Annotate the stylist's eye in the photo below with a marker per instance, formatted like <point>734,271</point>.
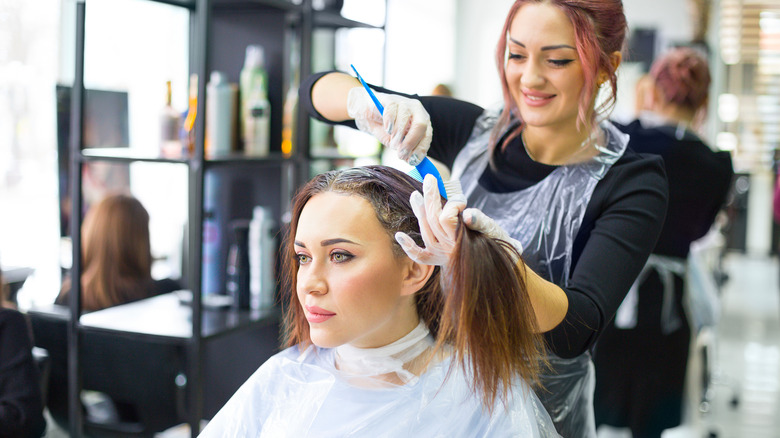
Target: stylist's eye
<point>560,62</point>
<point>302,259</point>
<point>341,257</point>
<point>516,56</point>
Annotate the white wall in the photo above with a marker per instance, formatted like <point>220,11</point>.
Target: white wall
<point>478,25</point>
<point>420,45</point>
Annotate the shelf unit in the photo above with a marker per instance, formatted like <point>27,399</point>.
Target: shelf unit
<point>219,32</point>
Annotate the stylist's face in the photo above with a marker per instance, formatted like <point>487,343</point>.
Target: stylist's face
<point>350,283</point>
<point>543,70</point>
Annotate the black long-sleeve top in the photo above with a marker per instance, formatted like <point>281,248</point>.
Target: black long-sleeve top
<point>619,230</point>
<point>699,181</point>
<point>21,411</point>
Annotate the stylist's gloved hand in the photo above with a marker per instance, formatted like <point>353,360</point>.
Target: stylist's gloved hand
<point>476,220</point>
<point>437,225</point>
<point>405,126</point>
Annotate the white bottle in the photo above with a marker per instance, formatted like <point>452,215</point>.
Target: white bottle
<point>255,107</point>
<point>220,104</point>
<point>261,259</point>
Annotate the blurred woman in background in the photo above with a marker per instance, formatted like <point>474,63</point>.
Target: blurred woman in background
<point>642,355</point>
<point>117,258</point>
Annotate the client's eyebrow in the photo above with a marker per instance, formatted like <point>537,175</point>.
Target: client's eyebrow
<point>328,242</point>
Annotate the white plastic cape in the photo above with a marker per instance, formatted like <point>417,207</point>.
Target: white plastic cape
<point>302,394</point>
<point>545,218</point>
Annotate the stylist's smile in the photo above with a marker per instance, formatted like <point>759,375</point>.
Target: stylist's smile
<point>316,314</point>
<point>536,98</point>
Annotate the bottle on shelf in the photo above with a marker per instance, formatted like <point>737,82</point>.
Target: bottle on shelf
<point>188,127</point>
<point>261,258</point>
<point>255,108</point>
<point>237,283</point>
<point>288,121</point>
<point>220,115</point>
<point>170,124</point>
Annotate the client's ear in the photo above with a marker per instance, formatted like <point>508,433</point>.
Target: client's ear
<point>417,275</point>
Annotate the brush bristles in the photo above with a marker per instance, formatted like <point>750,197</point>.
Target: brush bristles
<point>451,187</point>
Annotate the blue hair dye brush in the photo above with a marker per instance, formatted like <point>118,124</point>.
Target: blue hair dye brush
<point>425,166</point>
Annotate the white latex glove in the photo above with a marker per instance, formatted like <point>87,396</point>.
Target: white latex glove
<point>405,126</point>
<point>437,225</point>
<point>476,220</point>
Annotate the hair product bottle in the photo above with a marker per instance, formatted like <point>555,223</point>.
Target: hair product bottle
<point>237,283</point>
<point>255,108</point>
<point>261,258</point>
<point>170,123</point>
<point>220,104</point>
<point>188,128</point>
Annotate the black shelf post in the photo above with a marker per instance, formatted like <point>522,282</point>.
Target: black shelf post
<point>76,140</point>
<point>302,123</point>
<point>196,175</point>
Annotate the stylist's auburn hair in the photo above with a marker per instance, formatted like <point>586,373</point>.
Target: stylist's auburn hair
<point>478,304</point>
<point>599,31</point>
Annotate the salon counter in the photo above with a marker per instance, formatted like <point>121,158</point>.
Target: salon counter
<point>234,343</point>
<point>170,316</point>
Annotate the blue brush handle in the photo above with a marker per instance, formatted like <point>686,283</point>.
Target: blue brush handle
<point>370,93</point>
<point>426,167</point>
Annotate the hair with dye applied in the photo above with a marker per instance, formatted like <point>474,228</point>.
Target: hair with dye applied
<point>478,304</point>
<point>599,31</point>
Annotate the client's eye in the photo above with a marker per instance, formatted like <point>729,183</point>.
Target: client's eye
<point>302,259</point>
<point>340,257</point>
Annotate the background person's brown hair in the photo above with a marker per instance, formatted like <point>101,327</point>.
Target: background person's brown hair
<point>117,259</point>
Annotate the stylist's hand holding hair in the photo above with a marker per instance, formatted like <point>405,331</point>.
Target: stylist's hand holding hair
<point>438,225</point>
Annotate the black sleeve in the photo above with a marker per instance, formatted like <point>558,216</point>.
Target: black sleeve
<point>452,119</point>
<point>617,236</point>
<point>21,411</point>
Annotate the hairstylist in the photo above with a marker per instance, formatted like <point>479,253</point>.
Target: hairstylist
<point>542,170</point>
<point>641,359</point>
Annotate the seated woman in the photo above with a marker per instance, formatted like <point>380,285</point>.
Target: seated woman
<point>117,257</point>
<point>381,345</point>
<point>21,409</point>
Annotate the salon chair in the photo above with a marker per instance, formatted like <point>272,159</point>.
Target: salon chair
<point>141,381</point>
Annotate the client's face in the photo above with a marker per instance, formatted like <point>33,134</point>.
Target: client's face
<point>350,283</point>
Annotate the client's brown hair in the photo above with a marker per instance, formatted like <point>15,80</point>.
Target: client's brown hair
<point>478,304</point>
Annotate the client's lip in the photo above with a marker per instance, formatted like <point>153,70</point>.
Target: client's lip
<point>317,314</point>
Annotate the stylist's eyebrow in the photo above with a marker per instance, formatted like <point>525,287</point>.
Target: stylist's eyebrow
<point>328,242</point>
<point>555,47</point>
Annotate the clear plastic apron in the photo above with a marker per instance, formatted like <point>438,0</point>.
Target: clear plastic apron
<point>671,316</point>
<point>545,219</point>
